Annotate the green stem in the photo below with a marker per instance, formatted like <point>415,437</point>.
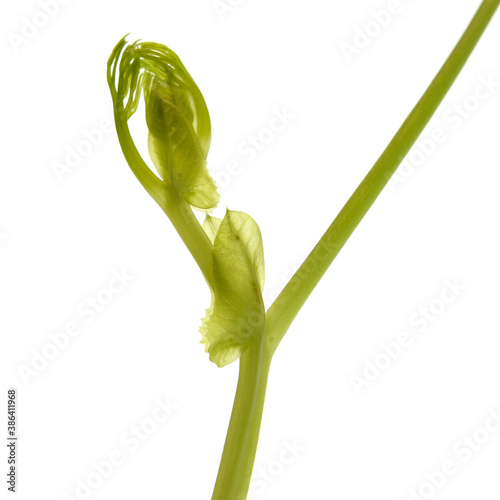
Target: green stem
<point>151,183</point>
<point>175,207</point>
<point>287,305</point>
<point>194,237</point>
<point>235,471</point>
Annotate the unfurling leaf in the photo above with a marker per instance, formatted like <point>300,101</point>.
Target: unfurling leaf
<point>176,115</point>
<point>175,148</point>
<point>236,314</point>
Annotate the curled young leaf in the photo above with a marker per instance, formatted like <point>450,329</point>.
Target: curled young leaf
<point>175,148</point>
<point>236,314</point>
<point>176,115</point>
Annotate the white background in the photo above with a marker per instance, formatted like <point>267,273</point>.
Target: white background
<point>63,237</point>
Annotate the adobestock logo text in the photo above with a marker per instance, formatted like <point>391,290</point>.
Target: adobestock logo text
<point>130,441</point>
<point>75,155</point>
<point>86,311</point>
<point>253,145</point>
<point>32,25</point>
<point>367,32</point>
<point>419,322</point>
<point>453,118</point>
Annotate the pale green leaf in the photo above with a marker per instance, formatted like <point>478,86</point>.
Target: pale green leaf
<point>211,226</point>
<point>175,148</point>
<point>236,314</point>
